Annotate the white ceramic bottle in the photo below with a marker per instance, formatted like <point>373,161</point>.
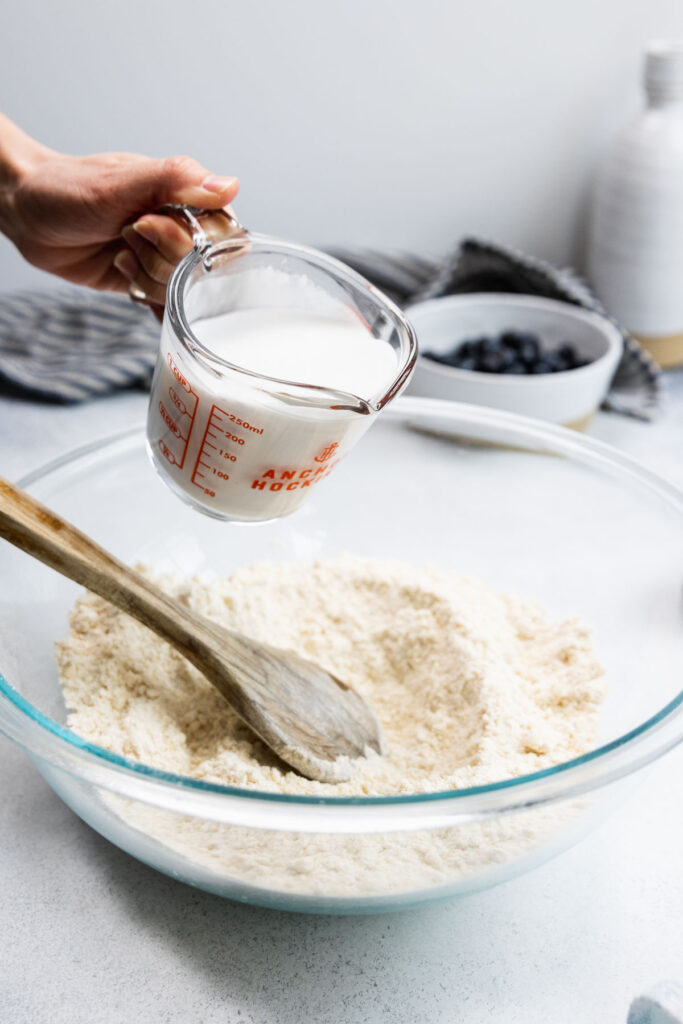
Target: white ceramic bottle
<point>635,258</point>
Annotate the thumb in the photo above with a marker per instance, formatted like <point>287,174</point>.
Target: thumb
<point>178,179</point>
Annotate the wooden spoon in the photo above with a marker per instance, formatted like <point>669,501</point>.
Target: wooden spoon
<point>311,720</point>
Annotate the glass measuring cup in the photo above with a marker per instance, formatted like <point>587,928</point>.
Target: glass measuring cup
<point>238,444</point>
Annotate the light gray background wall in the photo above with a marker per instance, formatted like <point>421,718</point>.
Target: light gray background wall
<point>398,124</point>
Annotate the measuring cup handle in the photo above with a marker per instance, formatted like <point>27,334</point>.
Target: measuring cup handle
<point>206,226</point>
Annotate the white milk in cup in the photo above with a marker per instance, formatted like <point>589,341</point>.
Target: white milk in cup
<point>274,360</point>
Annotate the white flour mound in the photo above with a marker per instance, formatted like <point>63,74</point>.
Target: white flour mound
<point>470,687</point>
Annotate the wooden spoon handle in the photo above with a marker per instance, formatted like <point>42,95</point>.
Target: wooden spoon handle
<point>43,534</point>
<point>315,723</point>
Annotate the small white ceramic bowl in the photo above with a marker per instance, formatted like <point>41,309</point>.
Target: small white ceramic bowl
<point>568,397</point>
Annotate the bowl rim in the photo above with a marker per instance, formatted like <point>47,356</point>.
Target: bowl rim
<point>600,321</point>
<point>51,742</point>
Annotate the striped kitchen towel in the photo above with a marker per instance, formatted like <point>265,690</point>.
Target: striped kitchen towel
<point>72,344</point>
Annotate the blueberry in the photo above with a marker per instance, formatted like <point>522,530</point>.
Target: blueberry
<point>508,356</point>
<point>563,361</point>
<point>577,360</point>
<point>556,361</point>
<point>468,363</point>
<point>511,352</point>
<point>489,346</point>
<point>512,339</point>
<point>436,357</point>
<point>454,357</point>
<point>568,356</point>
<point>493,362</point>
<point>529,350</point>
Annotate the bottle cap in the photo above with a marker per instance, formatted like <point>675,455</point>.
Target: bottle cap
<point>664,71</point>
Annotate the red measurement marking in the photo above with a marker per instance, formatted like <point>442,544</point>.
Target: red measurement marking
<point>167,453</point>
<point>178,402</point>
<point>238,422</point>
<point>179,416</point>
<point>219,423</point>
<point>170,422</point>
<point>178,375</point>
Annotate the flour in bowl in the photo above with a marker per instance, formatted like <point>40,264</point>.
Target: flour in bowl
<point>470,687</point>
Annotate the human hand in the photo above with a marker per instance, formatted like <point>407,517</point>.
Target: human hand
<point>91,219</point>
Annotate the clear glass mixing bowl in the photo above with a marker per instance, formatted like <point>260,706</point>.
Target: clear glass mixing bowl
<point>552,515</point>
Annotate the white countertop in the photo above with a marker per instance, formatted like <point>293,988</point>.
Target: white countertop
<point>91,935</point>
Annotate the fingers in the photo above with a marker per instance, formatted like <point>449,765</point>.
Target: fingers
<point>128,265</point>
<point>177,179</point>
<point>183,180</point>
<point>137,296</point>
<point>164,234</point>
<point>159,243</point>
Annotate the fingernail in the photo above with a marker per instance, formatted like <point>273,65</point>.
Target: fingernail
<point>212,183</point>
<point>146,231</point>
<point>126,263</point>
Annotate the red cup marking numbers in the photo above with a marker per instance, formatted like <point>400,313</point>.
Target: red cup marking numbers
<point>178,413</point>
<point>220,449</point>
